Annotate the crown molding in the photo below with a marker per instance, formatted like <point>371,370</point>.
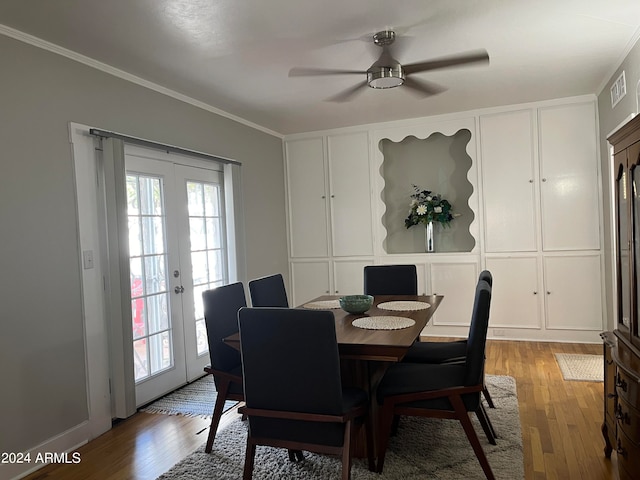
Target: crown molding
<point>51,47</point>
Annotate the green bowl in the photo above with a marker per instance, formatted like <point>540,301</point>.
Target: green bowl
<point>356,303</point>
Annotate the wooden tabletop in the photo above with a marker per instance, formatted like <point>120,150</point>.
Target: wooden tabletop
<point>381,345</point>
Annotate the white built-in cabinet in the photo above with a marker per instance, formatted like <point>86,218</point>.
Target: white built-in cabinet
<point>508,177</point>
<point>456,280</point>
<point>535,218</point>
<point>329,214</point>
<point>542,217</point>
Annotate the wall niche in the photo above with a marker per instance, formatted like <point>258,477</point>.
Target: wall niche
<point>438,163</point>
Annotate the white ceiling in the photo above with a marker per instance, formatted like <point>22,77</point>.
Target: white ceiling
<point>235,55</point>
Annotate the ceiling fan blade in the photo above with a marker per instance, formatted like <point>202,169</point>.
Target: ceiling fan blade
<point>349,93</point>
<point>450,61</point>
<point>311,72</point>
<point>422,88</point>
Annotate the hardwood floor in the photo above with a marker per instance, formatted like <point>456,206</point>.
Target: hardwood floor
<point>560,426</point>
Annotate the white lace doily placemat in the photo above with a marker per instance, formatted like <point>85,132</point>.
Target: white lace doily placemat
<point>322,304</point>
<point>383,323</point>
<point>403,306</point>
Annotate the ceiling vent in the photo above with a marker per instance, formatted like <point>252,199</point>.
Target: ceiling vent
<point>618,89</point>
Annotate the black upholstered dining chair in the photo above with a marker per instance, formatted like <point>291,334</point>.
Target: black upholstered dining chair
<point>221,307</point>
<point>268,291</point>
<point>307,408</point>
<point>440,390</point>
<point>390,280</point>
<point>447,352</point>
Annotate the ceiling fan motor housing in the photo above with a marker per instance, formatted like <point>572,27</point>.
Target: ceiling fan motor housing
<point>385,77</point>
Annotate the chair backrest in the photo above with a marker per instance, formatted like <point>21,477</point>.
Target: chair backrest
<point>390,280</point>
<point>268,292</point>
<point>290,360</point>
<point>221,307</point>
<point>487,277</point>
<point>476,343</point>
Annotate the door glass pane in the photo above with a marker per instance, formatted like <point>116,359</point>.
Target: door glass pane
<point>207,248</point>
<point>140,359</point>
<point>160,352</point>
<point>623,248</point>
<point>149,283</point>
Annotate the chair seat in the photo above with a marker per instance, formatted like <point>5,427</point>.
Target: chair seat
<point>405,378</point>
<point>436,352</point>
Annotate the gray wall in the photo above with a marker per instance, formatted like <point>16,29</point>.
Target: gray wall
<point>609,119</point>
<point>42,358</point>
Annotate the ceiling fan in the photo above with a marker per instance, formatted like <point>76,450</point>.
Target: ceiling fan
<point>387,72</point>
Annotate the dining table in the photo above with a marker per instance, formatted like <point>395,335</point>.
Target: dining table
<point>371,341</point>
<point>376,343</point>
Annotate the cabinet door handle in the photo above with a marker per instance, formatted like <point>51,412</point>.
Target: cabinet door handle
<point>621,450</point>
<point>548,293</point>
<point>621,384</point>
<point>535,293</point>
<point>544,179</point>
<point>531,180</point>
<point>323,196</point>
<point>622,416</point>
<point>609,395</point>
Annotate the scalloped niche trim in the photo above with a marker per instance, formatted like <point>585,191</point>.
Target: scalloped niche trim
<point>439,163</point>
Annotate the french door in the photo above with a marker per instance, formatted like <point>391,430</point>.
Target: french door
<point>177,250</point>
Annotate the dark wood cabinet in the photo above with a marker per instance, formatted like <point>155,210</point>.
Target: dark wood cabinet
<point>621,426</point>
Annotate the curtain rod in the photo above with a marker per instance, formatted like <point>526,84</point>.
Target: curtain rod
<point>159,146</point>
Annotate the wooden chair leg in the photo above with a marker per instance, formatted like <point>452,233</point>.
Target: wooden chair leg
<point>371,456</point>
<point>395,425</point>
<point>217,414</point>
<point>463,416</point>
<point>384,432</point>
<point>481,413</point>
<point>487,397</point>
<point>249,458</point>
<point>346,450</point>
<point>296,455</point>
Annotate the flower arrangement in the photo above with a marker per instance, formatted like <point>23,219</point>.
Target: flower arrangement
<point>426,207</point>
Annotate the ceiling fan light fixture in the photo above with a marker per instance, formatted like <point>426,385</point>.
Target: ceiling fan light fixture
<point>385,77</point>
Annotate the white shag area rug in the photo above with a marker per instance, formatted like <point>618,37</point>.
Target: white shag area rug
<point>422,448</point>
<point>195,399</point>
<point>581,367</point>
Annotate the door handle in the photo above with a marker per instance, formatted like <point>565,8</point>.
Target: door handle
<point>179,289</point>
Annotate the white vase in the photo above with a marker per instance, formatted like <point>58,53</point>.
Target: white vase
<point>428,237</point>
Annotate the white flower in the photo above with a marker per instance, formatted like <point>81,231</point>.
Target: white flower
<point>437,209</point>
<point>421,210</point>
<point>429,198</point>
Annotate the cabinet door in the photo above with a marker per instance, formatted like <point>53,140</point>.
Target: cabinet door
<point>348,276</point>
<point>308,281</point>
<point>573,292</point>
<point>633,161</point>
<point>457,282</point>
<point>516,301</point>
<point>569,178</point>
<point>508,182</point>
<point>350,194</point>
<point>307,202</point>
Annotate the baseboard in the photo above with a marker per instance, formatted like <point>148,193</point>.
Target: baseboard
<point>58,449</point>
